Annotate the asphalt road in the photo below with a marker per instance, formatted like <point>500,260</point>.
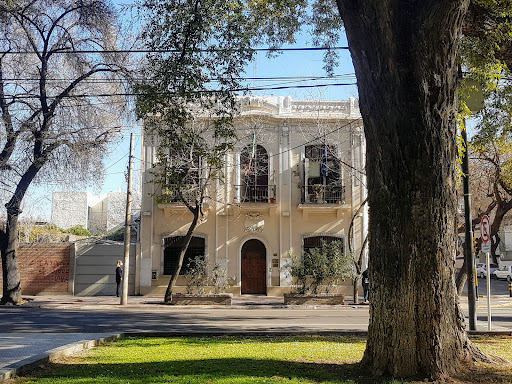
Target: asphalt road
<point>156,318</point>
<point>498,287</point>
<point>172,319</point>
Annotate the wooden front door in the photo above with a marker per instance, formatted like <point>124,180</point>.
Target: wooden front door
<point>254,268</point>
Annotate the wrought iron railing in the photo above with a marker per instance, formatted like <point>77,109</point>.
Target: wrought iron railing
<point>256,193</point>
<point>170,195</point>
<point>323,194</point>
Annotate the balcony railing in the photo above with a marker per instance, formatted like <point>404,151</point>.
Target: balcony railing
<point>320,194</point>
<point>170,195</point>
<point>256,193</point>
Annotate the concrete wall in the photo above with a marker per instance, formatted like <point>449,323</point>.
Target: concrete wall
<point>116,208</point>
<point>45,268</point>
<point>95,268</point>
<point>98,213</point>
<point>70,209</point>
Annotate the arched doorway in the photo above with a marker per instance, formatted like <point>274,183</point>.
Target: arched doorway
<point>253,268</point>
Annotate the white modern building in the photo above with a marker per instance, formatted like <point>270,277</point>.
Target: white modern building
<point>97,213</point>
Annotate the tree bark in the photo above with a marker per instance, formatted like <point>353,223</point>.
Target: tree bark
<point>184,247</point>
<point>10,274</point>
<point>355,287</point>
<point>405,57</point>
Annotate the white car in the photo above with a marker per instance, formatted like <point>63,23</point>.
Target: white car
<point>481,269</point>
<point>504,272</point>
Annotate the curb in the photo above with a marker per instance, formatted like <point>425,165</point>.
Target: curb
<point>27,364</point>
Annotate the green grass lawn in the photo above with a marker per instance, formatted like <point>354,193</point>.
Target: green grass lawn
<point>221,360</point>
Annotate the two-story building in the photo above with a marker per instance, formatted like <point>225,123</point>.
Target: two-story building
<point>295,177</point>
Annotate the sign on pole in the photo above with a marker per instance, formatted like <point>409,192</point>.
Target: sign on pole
<point>485,229</point>
<point>485,234</point>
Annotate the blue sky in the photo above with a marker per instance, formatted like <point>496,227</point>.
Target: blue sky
<point>288,64</point>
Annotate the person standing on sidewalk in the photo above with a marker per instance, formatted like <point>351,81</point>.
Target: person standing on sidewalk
<point>119,275</point>
<point>366,286</point>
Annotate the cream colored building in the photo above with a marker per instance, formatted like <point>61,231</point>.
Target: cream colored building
<point>295,177</point>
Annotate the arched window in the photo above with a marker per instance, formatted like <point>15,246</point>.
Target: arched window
<point>254,174</point>
<point>172,248</point>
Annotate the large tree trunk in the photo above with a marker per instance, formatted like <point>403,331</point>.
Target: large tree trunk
<point>11,277</point>
<point>405,57</point>
<point>11,285</point>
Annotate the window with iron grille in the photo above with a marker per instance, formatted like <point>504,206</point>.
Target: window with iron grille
<point>172,253</point>
<point>322,174</point>
<point>316,242</point>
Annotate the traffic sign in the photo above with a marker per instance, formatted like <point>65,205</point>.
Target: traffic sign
<point>485,229</point>
<point>486,247</point>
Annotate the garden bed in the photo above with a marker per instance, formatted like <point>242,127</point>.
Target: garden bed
<point>201,299</point>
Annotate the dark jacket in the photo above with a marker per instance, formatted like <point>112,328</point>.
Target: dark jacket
<point>366,281</point>
<point>119,274</point>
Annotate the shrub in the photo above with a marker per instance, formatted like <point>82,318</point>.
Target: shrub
<point>78,230</point>
<point>202,274</point>
<point>320,267</point>
<point>197,274</point>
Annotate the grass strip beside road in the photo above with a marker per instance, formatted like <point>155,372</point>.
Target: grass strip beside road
<point>219,360</point>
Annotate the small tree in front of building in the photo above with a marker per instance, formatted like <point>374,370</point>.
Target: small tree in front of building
<point>199,52</point>
<point>321,268</point>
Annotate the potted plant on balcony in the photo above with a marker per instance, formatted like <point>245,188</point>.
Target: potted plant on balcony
<point>317,272</point>
<point>318,193</point>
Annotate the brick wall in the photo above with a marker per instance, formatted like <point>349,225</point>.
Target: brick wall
<point>44,268</point>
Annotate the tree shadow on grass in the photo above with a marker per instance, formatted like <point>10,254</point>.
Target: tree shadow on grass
<point>229,370</point>
<point>241,370</point>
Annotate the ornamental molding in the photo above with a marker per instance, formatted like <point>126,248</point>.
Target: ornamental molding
<point>254,222</point>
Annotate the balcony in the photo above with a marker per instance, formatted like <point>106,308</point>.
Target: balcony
<point>170,195</point>
<point>170,200</point>
<point>325,200</point>
<point>256,198</point>
<point>323,194</point>
<point>256,193</point>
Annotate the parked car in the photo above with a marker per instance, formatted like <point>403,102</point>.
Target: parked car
<point>481,270</point>
<point>504,272</point>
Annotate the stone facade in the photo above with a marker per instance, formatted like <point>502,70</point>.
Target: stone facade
<point>312,156</point>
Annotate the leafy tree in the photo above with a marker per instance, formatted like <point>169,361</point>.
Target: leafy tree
<point>188,100</point>
<point>53,122</point>
<point>487,79</point>
<point>406,66</point>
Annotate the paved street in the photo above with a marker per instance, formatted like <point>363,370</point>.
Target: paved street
<point>173,319</point>
<point>498,287</point>
<point>33,331</point>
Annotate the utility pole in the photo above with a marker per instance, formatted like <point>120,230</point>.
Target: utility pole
<point>127,222</point>
<point>469,256</point>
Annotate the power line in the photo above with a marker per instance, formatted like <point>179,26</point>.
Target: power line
<point>206,91</point>
<point>271,78</point>
<point>176,50</point>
